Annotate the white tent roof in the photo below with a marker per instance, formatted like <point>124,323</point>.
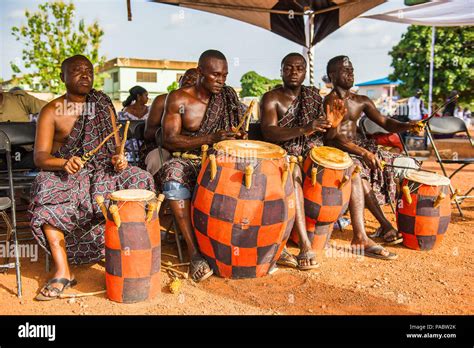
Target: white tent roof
<point>439,13</point>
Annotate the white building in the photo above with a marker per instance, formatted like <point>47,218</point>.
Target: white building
<point>380,88</point>
<point>153,75</point>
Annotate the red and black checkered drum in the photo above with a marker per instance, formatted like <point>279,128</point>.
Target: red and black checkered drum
<point>243,208</point>
<point>132,246</point>
<point>326,191</point>
<point>423,209</point>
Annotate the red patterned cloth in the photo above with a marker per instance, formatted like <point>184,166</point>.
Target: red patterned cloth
<point>223,111</point>
<point>304,109</point>
<point>67,202</point>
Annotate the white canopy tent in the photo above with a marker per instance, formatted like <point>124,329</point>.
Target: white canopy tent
<point>438,13</point>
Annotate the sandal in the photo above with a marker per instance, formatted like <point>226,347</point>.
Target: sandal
<point>67,283</point>
<point>393,241</point>
<point>287,259</point>
<point>307,255</point>
<point>374,251</point>
<point>196,265</point>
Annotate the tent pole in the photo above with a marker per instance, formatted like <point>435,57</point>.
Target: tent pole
<point>310,46</point>
<point>430,93</point>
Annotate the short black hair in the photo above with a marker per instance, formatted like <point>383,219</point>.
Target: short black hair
<point>332,64</point>
<point>66,61</point>
<point>292,54</point>
<point>211,54</point>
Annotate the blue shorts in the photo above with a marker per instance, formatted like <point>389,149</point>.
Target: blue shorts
<point>174,191</point>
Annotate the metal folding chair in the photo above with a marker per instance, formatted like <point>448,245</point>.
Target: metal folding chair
<point>9,203</point>
<point>174,225</point>
<point>450,125</point>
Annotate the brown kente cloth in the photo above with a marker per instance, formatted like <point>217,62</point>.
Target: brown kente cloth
<point>67,202</point>
<point>382,181</point>
<point>223,111</point>
<point>308,106</point>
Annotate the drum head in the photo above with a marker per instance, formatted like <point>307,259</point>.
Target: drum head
<point>427,178</point>
<point>250,149</point>
<point>132,195</point>
<point>330,157</point>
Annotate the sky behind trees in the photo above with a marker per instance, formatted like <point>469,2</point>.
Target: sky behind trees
<point>168,32</point>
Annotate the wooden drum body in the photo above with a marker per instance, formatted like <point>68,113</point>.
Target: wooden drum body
<point>243,208</point>
<point>326,190</point>
<point>423,209</point>
<point>132,246</point>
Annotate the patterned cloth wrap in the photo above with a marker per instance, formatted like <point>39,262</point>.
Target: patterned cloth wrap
<point>67,202</point>
<point>309,106</point>
<point>223,111</point>
<point>304,109</point>
<point>382,182</point>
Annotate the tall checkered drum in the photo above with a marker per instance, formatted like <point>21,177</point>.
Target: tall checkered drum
<point>243,208</point>
<point>423,209</point>
<point>326,191</point>
<point>132,245</point>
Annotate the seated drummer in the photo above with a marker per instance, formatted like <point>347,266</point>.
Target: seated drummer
<point>150,157</point>
<point>194,116</point>
<point>292,116</point>
<point>346,108</point>
<point>65,219</point>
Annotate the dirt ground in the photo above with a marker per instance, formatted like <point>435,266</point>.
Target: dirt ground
<point>434,282</point>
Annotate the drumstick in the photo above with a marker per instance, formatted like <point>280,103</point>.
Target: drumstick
<point>124,140</point>
<point>89,155</point>
<point>247,114</point>
<point>450,100</point>
<point>385,164</point>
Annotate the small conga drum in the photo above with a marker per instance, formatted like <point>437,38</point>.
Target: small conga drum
<point>326,190</point>
<point>132,245</point>
<point>423,209</point>
<point>243,207</point>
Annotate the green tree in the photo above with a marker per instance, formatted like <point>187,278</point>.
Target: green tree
<point>255,85</point>
<point>50,36</point>
<point>172,87</point>
<point>453,62</point>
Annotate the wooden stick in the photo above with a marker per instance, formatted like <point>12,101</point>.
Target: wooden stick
<point>83,294</point>
<point>89,155</point>
<point>183,274</point>
<point>166,264</point>
<point>124,140</point>
<point>247,114</point>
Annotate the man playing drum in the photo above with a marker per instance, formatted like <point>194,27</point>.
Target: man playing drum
<point>345,108</point>
<point>65,219</point>
<point>198,115</point>
<point>293,117</point>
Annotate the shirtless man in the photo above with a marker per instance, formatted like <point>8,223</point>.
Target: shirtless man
<point>293,117</point>
<point>65,219</point>
<point>157,108</point>
<point>149,154</point>
<point>194,116</point>
<point>345,108</point>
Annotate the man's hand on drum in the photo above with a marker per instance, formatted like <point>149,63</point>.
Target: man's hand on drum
<point>318,125</point>
<point>224,135</point>
<point>416,127</point>
<point>119,162</point>
<point>371,160</point>
<point>73,165</point>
